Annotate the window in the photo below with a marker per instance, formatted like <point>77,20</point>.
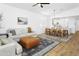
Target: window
<point>61,22</point>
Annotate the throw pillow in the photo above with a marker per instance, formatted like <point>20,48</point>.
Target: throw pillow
<point>29,30</point>
<point>4,41</point>
<point>13,32</point>
<point>20,31</point>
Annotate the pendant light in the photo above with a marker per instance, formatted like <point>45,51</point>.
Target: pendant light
<point>53,17</point>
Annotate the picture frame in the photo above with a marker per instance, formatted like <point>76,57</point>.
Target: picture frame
<point>22,20</point>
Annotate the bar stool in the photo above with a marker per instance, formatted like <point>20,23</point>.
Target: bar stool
<point>51,32</point>
<point>54,32</point>
<point>59,33</point>
<point>47,31</point>
<point>29,30</point>
<point>62,33</point>
<point>65,32</point>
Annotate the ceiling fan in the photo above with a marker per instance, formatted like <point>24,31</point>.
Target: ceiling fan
<point>41,4</point>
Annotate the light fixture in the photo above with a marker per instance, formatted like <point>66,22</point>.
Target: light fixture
<point>53,16</point>
<point>54,13</point>
<point>41,4</point>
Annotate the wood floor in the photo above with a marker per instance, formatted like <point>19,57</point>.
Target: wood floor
<point>70,48</point>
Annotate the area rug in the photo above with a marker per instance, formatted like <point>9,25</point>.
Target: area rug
<point>45,46</point>
<point>60,39</point>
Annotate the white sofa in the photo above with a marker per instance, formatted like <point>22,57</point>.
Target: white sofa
<point>9,47</point>
<point>19,32</point>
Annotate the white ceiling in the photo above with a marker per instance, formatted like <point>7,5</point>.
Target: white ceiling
<point>48,9</point>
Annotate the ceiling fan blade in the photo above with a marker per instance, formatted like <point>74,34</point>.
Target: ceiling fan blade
<point>44,3</point>
<point>41,4</point>
<point>35,4</point>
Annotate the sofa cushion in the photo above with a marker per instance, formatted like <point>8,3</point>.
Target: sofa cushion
<point>5,41</point>
<point>3,36</point>
<point>13,32</point>
<point>20,31</point>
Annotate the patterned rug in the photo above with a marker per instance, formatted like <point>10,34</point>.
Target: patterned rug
<point>44,47</point>
<point>60,39</point>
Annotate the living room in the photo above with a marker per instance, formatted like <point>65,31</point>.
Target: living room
<point>38,29</point>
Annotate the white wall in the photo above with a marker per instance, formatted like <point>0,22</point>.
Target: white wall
<point>67,23</point>
<point>10,14</point>
<point>73,22</point>
<point>37,21</point>
<point>77,24</point>
<point>71,12</point>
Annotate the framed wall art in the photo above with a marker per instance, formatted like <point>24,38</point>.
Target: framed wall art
<point>22,20</point>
